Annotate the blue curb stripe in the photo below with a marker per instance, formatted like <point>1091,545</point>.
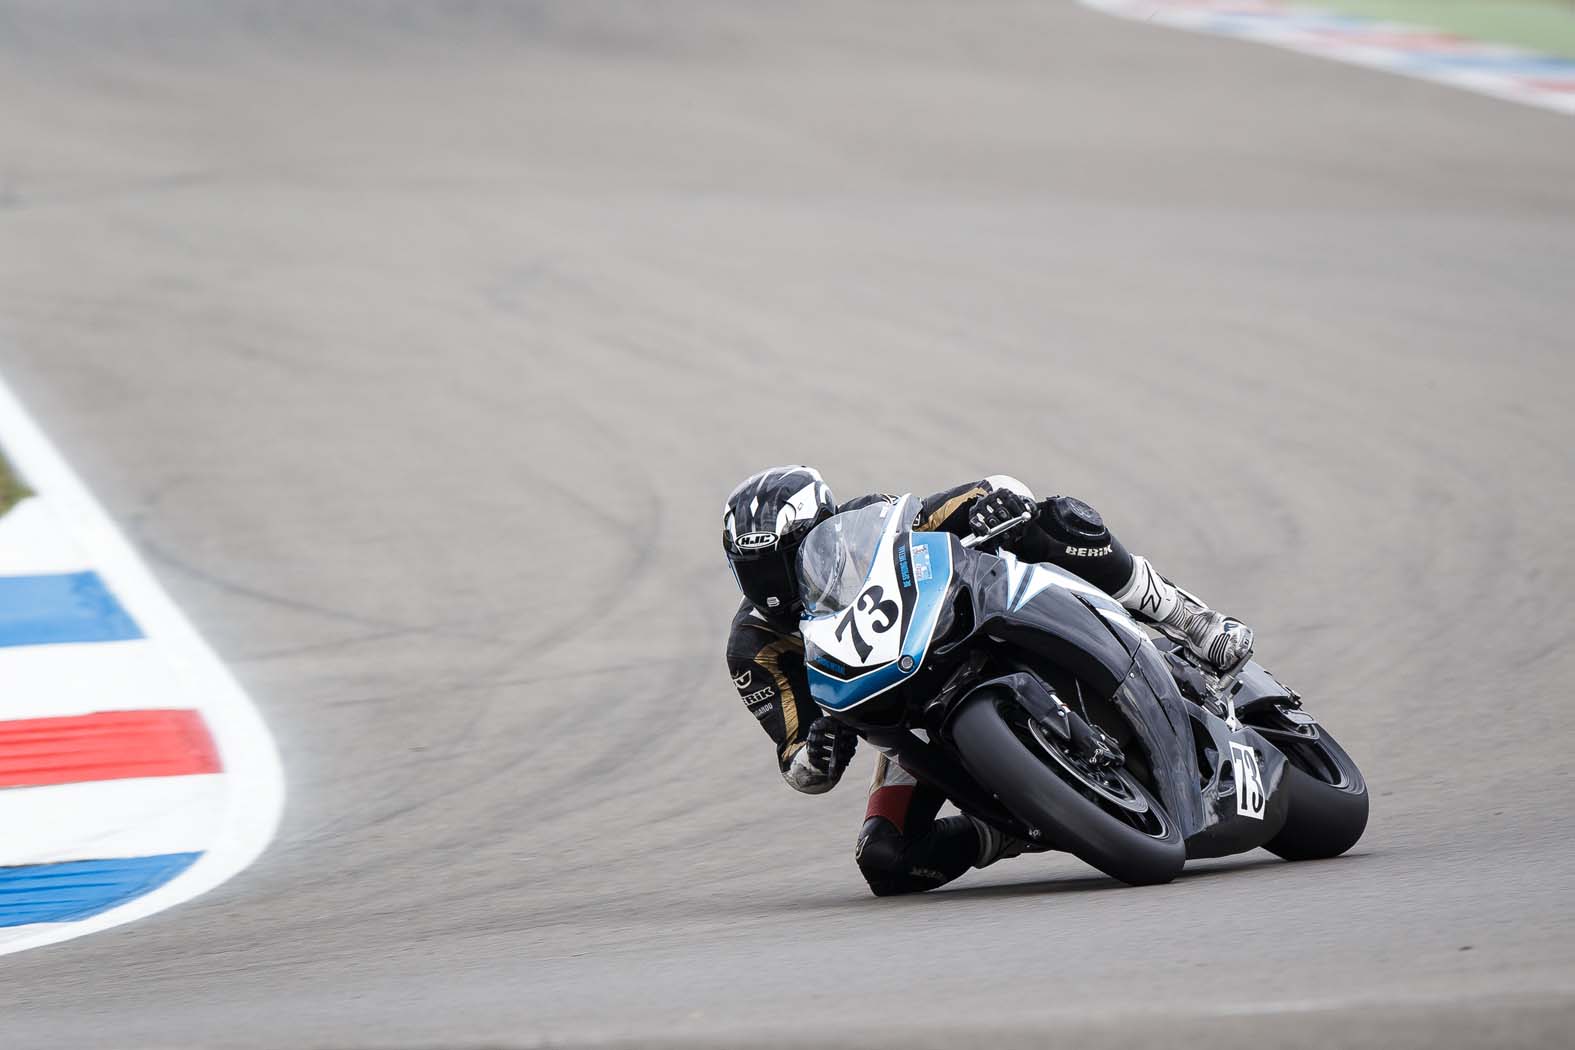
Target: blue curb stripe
<point>79,888</point>
<point>1522,65</point>
<point>70,607</point>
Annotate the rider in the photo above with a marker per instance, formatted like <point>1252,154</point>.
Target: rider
<point>902,847</point>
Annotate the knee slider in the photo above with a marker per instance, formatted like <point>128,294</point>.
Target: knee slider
<point>880,850</point>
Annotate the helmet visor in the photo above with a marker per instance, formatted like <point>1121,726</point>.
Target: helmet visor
<point>768,580</point>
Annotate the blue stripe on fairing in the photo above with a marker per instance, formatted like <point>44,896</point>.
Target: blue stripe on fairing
<point>836,695</point>
<point>928,607</point>
<point>68,607</point>
<point>80,888</point>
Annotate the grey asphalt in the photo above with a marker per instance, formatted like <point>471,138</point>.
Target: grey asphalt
<point>417,345</point>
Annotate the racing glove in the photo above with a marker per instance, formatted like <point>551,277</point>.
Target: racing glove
<point>992,510</point>
<point>827,751</point>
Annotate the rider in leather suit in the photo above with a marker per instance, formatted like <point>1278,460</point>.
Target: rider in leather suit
<point>902,846</point>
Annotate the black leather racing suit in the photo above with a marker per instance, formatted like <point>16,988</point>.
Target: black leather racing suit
<point>902,847</point>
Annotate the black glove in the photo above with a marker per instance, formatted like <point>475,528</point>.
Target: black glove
<point>989,512</point>
<point>829,747</point>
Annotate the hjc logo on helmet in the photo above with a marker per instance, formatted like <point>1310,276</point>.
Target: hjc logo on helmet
<point>755,541</point>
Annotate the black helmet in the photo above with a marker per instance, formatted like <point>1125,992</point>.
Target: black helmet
<point>763,523</point>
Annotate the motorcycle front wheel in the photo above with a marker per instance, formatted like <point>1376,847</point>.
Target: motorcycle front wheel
<point>1102,815</point>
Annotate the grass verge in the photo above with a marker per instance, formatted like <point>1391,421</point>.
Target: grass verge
<point>1537,25</point>
<point>12,491</point>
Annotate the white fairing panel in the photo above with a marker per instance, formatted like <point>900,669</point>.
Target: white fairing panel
<point>877,616</point>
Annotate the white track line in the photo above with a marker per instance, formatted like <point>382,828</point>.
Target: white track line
<point>254,796</point>
<point>31,541</point>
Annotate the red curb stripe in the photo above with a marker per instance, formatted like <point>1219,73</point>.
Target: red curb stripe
<point>1400,40</point>
<point>109,745</point>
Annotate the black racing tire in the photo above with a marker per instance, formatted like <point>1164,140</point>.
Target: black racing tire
<point>1327,796</point>
<point>1044,795</point>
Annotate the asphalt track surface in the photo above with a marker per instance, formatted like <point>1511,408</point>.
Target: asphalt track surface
<point>417,345</point>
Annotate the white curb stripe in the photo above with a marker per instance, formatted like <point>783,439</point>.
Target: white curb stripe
<point>141,817</point>
<point>1503,72</point>
<point>56,681</point>
<point>254,797</point>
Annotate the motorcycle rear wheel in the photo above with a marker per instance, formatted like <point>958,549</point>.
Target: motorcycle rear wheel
<point>1327,810</point>
<point>1105,817</point>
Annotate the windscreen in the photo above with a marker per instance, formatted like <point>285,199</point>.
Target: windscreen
<point>836,557</point>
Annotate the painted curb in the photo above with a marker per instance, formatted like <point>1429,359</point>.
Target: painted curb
<point>239,820</point>
<point>1500,71</point>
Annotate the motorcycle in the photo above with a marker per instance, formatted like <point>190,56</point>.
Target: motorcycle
<point>1036,703</point>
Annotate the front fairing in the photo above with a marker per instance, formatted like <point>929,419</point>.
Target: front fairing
<point>867,635</point>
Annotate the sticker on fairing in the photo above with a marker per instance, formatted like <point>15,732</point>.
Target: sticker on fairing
<point>921,563</point>
<point>1250,801</point>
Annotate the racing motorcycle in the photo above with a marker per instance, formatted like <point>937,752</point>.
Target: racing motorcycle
<point>1037,704</point>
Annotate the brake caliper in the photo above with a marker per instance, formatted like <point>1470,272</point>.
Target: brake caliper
<point>1086,742</point>
<point>1090,743</point>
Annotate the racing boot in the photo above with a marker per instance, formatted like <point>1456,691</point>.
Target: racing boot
<point>997,845</point>
<point>1219,640</point>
